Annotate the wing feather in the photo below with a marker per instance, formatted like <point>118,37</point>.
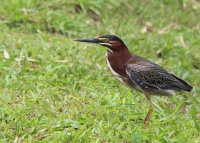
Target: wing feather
<point>150,75</point>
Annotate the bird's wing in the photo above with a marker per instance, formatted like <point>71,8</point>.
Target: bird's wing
<point>150,75</point>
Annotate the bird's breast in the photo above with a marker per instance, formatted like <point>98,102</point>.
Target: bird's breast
<point>113,70</point>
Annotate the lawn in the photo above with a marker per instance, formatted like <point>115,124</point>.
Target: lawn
<point>56,90</point>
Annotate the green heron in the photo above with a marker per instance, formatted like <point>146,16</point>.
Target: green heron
<point>137,72</point>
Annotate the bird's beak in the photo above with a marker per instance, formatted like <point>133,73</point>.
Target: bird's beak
<point>93,40</point>
<point>89,40</point>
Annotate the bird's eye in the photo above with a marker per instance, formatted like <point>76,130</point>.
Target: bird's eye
<point>104,39</point>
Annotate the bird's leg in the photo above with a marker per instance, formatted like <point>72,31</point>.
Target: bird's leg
<point>148,117</point>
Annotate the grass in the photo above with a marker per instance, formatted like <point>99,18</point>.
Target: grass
<point>56,90</point>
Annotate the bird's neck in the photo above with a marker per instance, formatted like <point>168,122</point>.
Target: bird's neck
<point>121,56</point>
<point>109,51</point>
<point>117,61</point>
<point>117,49</point>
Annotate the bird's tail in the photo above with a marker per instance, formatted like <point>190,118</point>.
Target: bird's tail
<point>183,84</point>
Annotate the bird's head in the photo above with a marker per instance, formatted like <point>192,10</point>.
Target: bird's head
<point>113,43</point>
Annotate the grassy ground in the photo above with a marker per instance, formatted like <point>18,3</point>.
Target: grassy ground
<point>53,89</point>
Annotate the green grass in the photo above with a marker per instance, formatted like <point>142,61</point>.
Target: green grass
<point>54,89</point>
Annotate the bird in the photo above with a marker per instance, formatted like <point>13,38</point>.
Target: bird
<point>137,72</point>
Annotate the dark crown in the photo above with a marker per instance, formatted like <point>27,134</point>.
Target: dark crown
<point>112,37</point>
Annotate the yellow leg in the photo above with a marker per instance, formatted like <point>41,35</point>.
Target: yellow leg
<point>148,117</point>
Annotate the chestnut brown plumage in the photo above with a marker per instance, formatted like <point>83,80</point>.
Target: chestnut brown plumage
<point>137,72</point>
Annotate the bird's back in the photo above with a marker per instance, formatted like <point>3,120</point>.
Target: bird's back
<point>153,78</point>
